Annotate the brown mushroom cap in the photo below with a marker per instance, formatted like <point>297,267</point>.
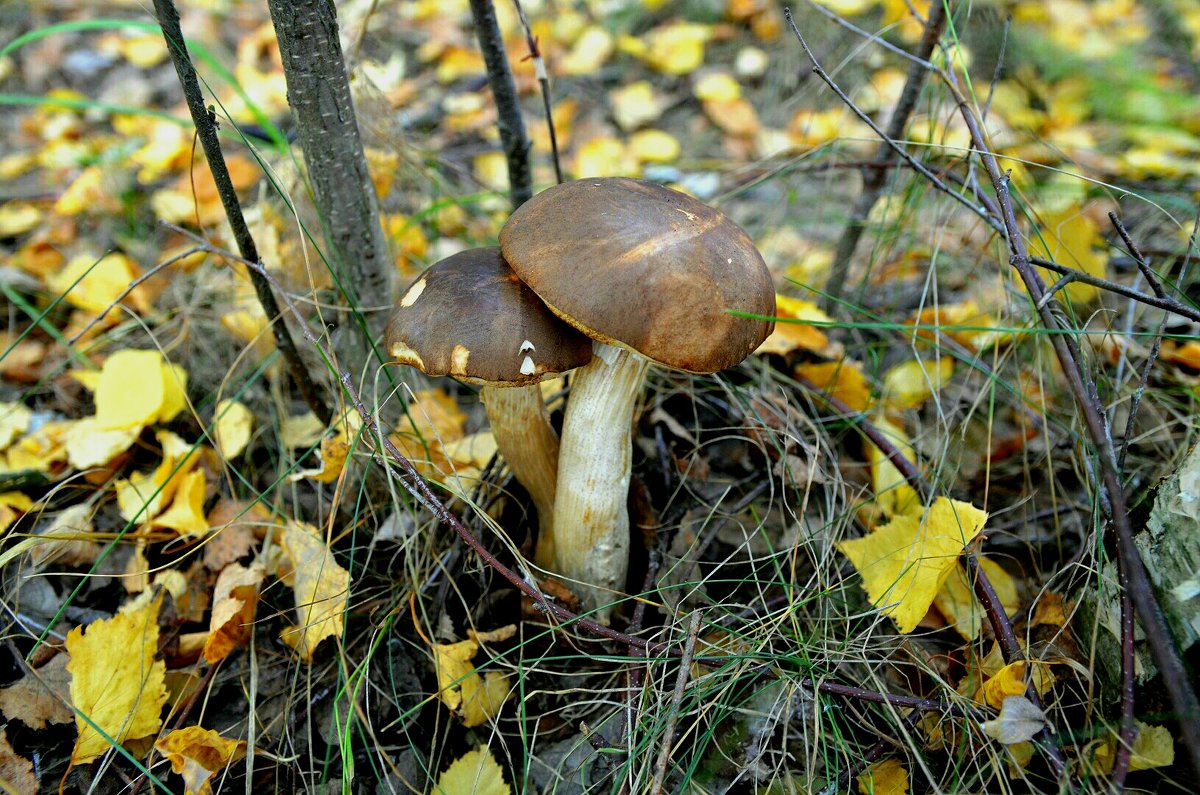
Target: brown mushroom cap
<point>470,317</point>
<point>635,264</point>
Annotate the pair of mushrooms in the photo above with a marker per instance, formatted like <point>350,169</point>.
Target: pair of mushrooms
<point>605,277</point>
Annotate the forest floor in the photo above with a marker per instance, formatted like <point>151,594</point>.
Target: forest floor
<point>884,554</point>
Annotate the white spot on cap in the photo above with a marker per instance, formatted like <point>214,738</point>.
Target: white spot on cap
<point>729,261</point>
<point>458,360</point>
<point>413,294</point>
<point>527,347</point>
<point>528,367</point>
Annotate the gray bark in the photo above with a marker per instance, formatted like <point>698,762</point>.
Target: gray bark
<point>319,93</point>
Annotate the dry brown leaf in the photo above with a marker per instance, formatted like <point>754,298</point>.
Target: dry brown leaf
<point>41,697</point>
<point>16,772</point>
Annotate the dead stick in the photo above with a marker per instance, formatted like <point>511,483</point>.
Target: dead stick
<point>206,129</point>
<point>508,104</point>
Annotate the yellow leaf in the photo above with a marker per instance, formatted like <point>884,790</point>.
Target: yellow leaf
<point>131,389</point>
<point>717,86</point>
<point>87,193</point>
<point>904,563</point>
<point>302,430</point>
<point>635,105</point>
<point>101,280</point>
<point>115,680</point>
<point>235,600</point>
<point>321,585</point>
<point>17,218</point>
<point>677,48</point>
<point>888,777</point>
<point>482,697</point>
<point>12,504</point>
<point>452,662</point>
<point>956,601</point>
<point>593,47</point>
<point>963,322</point>
<point>335,448</point>
<point>604,157</point>
<point>909,384</point>
<point>233,425</point>
<point>40,450</point>
<point>14,421</point>
<point>842,380</point>
<point>792,332</point>
<point>144,495</point>
<point>186,512</point>
<point>175,380</point>
<point>168,149</point>
<point>736,117</point>
<point>892,492</point>
<point>197,754</point>
<point>91,445</point>
<point>1071,238</point>
<point>491,169</point>
<point>654,146</point>
<point>1010,681</point>
<point>475,772</point>
<point>457,62</point>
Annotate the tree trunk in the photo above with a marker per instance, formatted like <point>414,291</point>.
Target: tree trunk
<point>319,93</point>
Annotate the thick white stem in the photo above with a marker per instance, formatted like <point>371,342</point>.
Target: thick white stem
<point>529,444</point>
<point>591,523</point>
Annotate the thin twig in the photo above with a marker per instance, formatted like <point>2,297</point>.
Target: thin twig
<point>206,129</point>
<point>543,78</point>
<point>508,105</point>
<point>875,178</point>
<point>1175,678</point>
<point>1010,648</point>
<point>681,680</point>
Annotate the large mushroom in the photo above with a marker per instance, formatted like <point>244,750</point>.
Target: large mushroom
<point>652,276</point>
<point>470,317</point>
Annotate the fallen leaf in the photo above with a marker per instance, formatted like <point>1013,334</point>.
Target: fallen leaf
<point>654,146</point>
<point>185,514</point>
<point>1070,237</point>
<point>909,384</point>
<point>794,329</point>
<point>68,540</point>
<point>1019,721</point>
<point>676,48</point>
<point>605,157</point>
<point>16,772</point>
<point>95,284</point>
<point>132,389</point>
<point>476,699</point>
<point>843,380</point>
<point>956,601</point>
<point>888,777</point>
<point>1011,681</point>
<point>589,52</point>
<point>197,754</point>
<point>321,586</point>
<point>117,687</point>
<point>475,772</point>
<point>636,105</point>
<point>234,422</point>
<point>12,505</point>
<point>14,421</point>
<point>39,698</point>
<point>235,600</point>
<point>893,494</point>
<point>17,218</point>
<point>904,563</point>
<point>90,444</point>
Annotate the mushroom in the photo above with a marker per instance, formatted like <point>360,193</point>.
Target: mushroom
<point>652,276</point>
<point>470,317</point>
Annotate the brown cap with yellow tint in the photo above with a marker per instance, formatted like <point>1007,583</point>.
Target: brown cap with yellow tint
<point>470,317</point>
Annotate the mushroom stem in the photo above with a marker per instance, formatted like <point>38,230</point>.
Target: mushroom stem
<point>591,526</point>
<point>529,444</point>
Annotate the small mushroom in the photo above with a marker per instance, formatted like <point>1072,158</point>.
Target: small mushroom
<point>470,317</point>
<point>652,276</point>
